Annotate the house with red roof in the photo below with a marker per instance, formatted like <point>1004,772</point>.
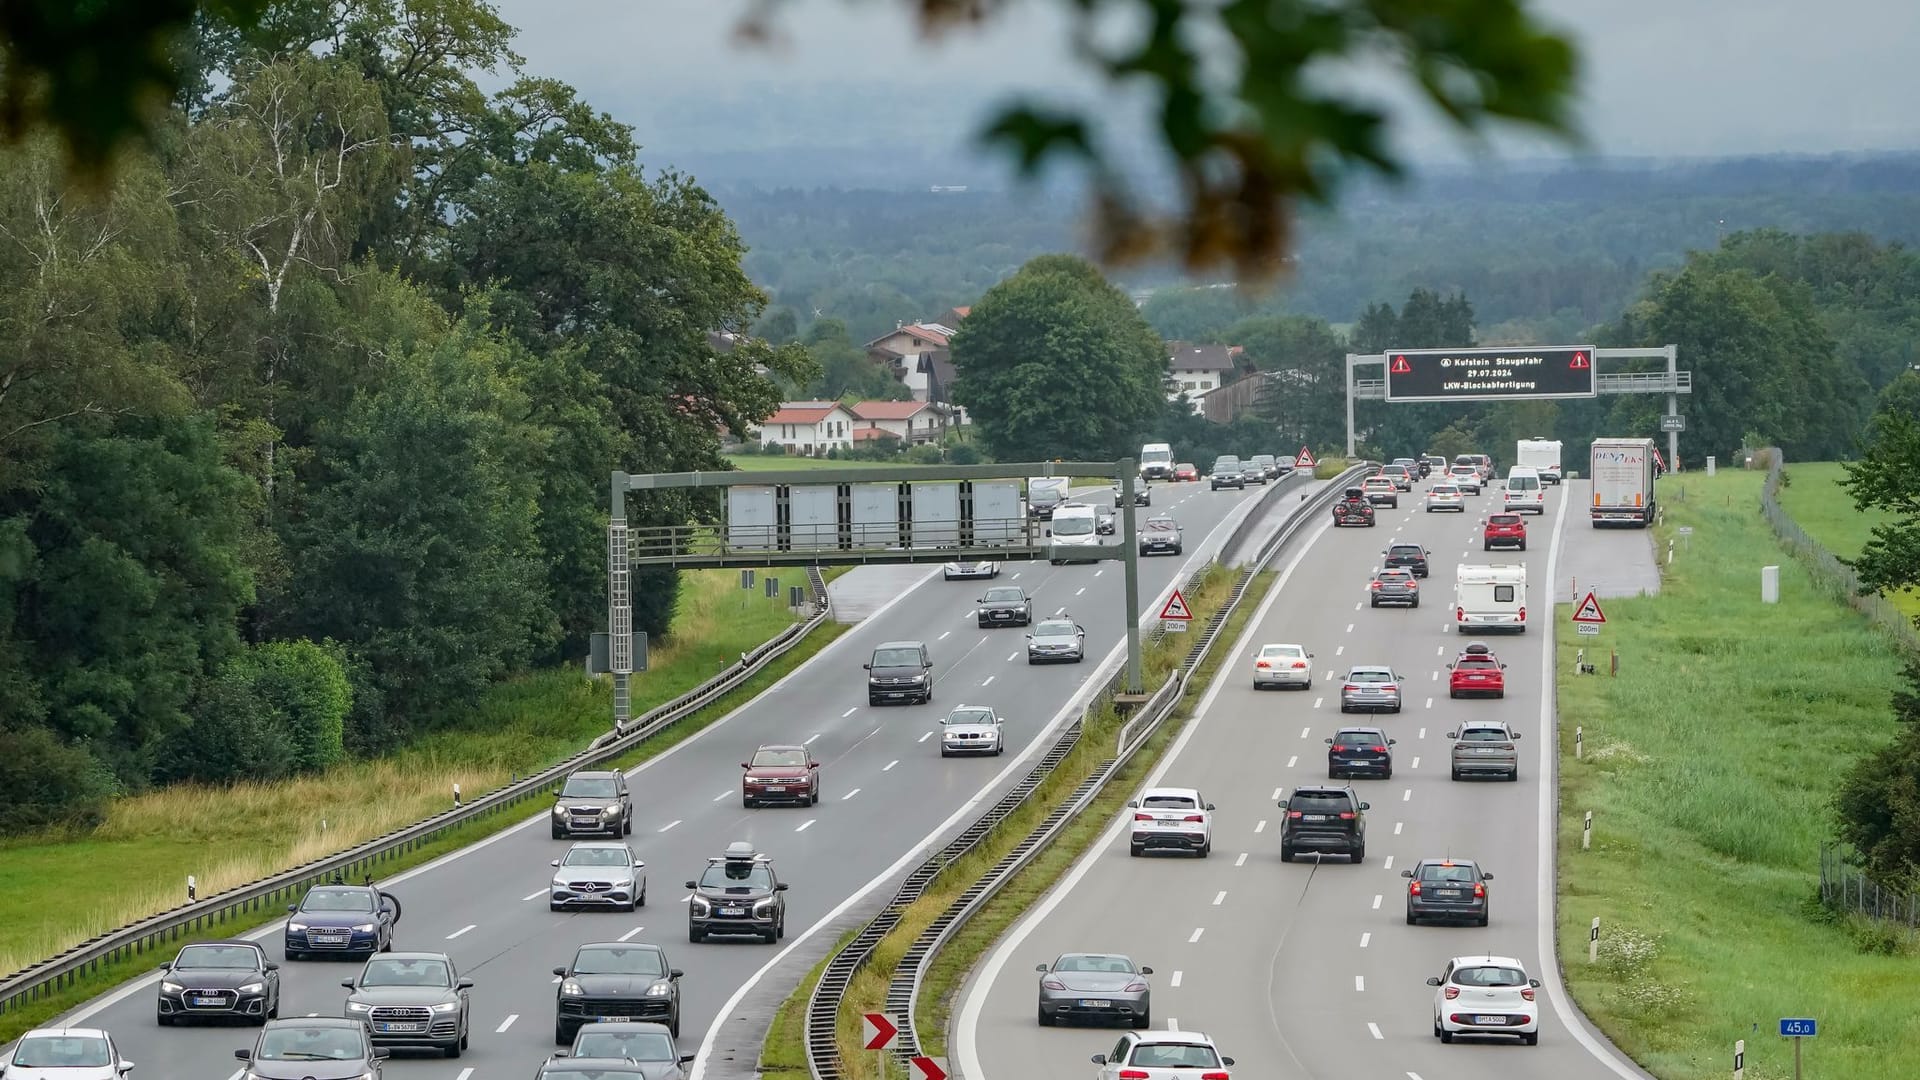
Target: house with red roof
<point>908,421</point>
<point>809,427</point>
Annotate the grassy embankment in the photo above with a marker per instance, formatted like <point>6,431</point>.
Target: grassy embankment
<point>1710,767</point>
<point>784,1056</point>
<point>58,890</point>
<point>1818,504</point>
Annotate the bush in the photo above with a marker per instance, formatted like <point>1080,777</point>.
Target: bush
<point>45,782</point>
<point>924,454</point>
<point>963,454</point>
<point>274,710</point>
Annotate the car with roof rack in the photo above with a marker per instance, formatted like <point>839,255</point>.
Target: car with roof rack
<point>738,893</point>
<point>1476,672</point>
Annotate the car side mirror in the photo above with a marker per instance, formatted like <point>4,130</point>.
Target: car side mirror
<point>674,973</point>
<point>1453,734</point>
<point>562,972</point>
<point>813,764</point>
<point>123,1068</point>
<point>687,1059</point>
<point>1146,971</point>
<point>1329,742</point>
<point>293,907</point>
<point>1393,742</point>
<point>639,864</point>
<point>1029,637</point>
<point>1503,667</point>
<point>1486,877</point>
<point>1513,734</point>
<point>553,862</point>
<point>1406,873</point>
<point>1133,804</point>
<point>1535,983</point>
<point>559,1053</point>
<point>942,720</point>
<point>271,966</point>
<point>1041,968</point>
<point>692,885</point>
<point>744,765</point>
<point>869,667</point>
<point>1309,656</point>
<point>463,984</point>
<point>243,1055</point>
<point>168,966</point>
<point>1433,980</point>
<point>1366,806</point>
<point>1099,1059</point>
<point>1209,807</point>
<point>347,983</point>
<point>381,1053</point>
<point>782,887</point>
<point>1449,665</point>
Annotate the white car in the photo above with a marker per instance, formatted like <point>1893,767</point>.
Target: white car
<point>598,873</point>
<point>1282,665</point>
<point>956,571</point>
<point>1466,478</point>
<point>65,1054</point>
<point>1485,995</point>
<point>971,729</point>
<point>1174,818</point>
<point>1164,1055</point>
<point>1446,496</point>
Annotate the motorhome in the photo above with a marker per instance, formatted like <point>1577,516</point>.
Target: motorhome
<point>1075,525</point>
<point>1542,455</point>
<point>1490,598</point>
<point>1156,461</point>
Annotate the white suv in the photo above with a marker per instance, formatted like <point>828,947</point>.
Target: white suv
<point>1485,995</point>
<point>1172,817</point>
<point>1163,1055</point>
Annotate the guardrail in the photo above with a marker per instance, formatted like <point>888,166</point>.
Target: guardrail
<point>56,973</point>
<point>823,1007</point>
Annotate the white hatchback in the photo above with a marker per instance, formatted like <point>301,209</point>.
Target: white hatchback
<point>1171,819</point>
<point>1282,665</point>
<point>1485,995</point>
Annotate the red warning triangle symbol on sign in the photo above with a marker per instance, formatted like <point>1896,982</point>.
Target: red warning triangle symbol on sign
<point>1589,611</point>
<point>1579,362</point>
<point>1304,460</point>
<point>1401,367</point>
<point>1176,608</point>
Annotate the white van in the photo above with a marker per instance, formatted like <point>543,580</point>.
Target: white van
<point>1156,461</point>
<point>1524,492</point>
<point>1490,598</point>
<point>1074,526</point>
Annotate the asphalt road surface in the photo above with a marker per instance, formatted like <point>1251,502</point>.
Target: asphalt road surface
<point>886,794</point>
<point>1308,969</point>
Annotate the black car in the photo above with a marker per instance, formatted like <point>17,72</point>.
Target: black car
<point>1142,494</point>
<point>1359,751</point>
<point>738,894</point>
<point>652,1045</point>
<point>593,802</point>
<point>1353,508</point>
<point>1160,535</point>
<point>616,980</point>
<point>561,1067</point>
<point>342,919</point>
<point>314,1048</point>
<point>900,671</point>
<point>1447,889</point>
<point>1408,556</point>
<point>220,978</point>
<point>1005,605</point>
<point>1326,820</point>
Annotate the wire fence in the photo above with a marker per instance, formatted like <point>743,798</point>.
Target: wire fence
<point>1845,887</point>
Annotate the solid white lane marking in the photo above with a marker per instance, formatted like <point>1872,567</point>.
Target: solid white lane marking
<point>1407,795</point>
<point>1242,860</point>
<point>1365,939</point>
<point>462,930</point>
<point>507,1023</point>
<point>888,767</point>
<point>1290,764</point>
<point>989,681</point>
<point>1396,827</point>
<point>1304,731</point>
<point>1219,898</point>
<point>631,934</point>
<point>1376,901</point>
<point>1374,1030</point>
<point>1416,763</point>
<point>668,825</point>
<point>237,1074</point>
<point>1389,864</point>
<point>805,825</point>
<point>925,737</point>
<point>849,794</point>
<point>809,742</point>
<point>849,712</point>
<point>535,895</point>
<point>1175,981</point>
<point>1359,984</point>
<point>1197,931</point>
<point>1260,826</point>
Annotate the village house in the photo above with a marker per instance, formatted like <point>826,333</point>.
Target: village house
<point>909,421</point>
<point>809,427</point>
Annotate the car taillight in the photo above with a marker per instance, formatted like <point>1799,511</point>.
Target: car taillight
<point>1413,585</point>
<point>1459,614</point>
<point>1295,814</point>
<point>1374,585</point>
<point>1379,749</point>
<point>1215,1076</point>
<point>1452,992</point>
<point>1134,1074</point>
<point>1349,686</point>
<point>1390,686</point>
<point>1299,665</point>
<point>1479,891</point>
<point>1523,614</point>
<point>1414,889</point>
<point>1262,665</point>
<point>1527,992</point>
<point>1142,817</point>
<point>1053,984</point>
<point>1135,988</point>
<point>1339,749</point>
<point>1346,815</point>
<point>1194,817</point>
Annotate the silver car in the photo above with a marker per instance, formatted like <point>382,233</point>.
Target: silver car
<point>971,729</point>
<point>1095,986</point>
<point>598,873</point>
<point>411,999</point>
<point>1483,747</point>
<point>1445,496</point>
<point>1057,641</point>
<point>652,1045</point>
<point>1371,688</point>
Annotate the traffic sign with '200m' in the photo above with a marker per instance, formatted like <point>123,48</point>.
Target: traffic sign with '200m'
<point>1559,371</point>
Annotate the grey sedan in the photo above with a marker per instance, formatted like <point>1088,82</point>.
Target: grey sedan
<point>1057,641</point>
<point>1095,986</point>
<point>1370,689</point>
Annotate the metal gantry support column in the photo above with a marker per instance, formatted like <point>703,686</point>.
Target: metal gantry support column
<point>619,605</point>
<point>1673,406</point>
<point>1353,361</point>
<point>1129,474</point>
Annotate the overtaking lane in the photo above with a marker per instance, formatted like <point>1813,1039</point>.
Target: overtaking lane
<point>487,907</point>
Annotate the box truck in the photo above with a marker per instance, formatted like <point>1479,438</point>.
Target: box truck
<point>1622,472</point>
<point>1542,456</point>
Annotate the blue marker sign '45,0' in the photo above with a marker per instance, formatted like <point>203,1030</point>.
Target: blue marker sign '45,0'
<point>1799,1028</point>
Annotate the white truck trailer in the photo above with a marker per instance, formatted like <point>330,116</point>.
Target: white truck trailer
<point>1622,472</point>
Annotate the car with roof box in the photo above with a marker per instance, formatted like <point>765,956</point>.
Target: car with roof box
<point>412,999</point>
<point>231,978</point>
<point>738,893</point>
<point>1476,672</point>
<point>1353,508</point>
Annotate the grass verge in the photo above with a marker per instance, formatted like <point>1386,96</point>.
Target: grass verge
<point>869,988</point>
<point>1710,764</point>
<point>1329,467</point>
<point>548,702</point>
<point>1813,497</point>
<point>784,1056</point>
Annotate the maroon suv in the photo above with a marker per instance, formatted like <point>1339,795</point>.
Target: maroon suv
<point>780,774</point>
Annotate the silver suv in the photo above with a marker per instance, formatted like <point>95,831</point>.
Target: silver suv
<point>411,999</point>
<point>1485,746</point>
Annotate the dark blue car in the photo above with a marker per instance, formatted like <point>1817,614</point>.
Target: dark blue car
<point>339,918</point>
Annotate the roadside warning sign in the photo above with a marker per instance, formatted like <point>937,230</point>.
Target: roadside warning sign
<point>1587,612</point>
<point>1176,608</point>
<point>1401,367</point>
<point>1579,362</point>
<point>1304,460</point>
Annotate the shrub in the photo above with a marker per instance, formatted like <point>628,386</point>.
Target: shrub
<point>273,710</point>
<point>45,782</point>
<point>924,454</point>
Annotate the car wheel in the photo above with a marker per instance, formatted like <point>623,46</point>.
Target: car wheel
<point>1416,602</point>
<point>1045,1018</point>
<point>1482,921</point>
<point>292,955</point>
<point>1143,1022</point>
<point>164,1019</point>
<point>1388,775</point>
<point>626,829</point>
<point>465,1032</point>
<point>1453,693</point>
<point>451,1050</point>
<point>783,924</point>
<point>873,702</point>
<point>1374,603</point>
<point>1446,1036</point>
<point>944,752</point>
<point>1500,693</point>
<point>695,936</point>
<point>1286,853</point>
<point>1523,545</point>
<point>772,935</point>
<point>674,1027</point>
<point>274,1012</point>
<point>641,901</point>
<point>1456,774</point>
<point>559,833</point>
<point>1531,1038</point>
<point>561,1036</point>
<point>1513,777</point>
<point>1359,854</point>
<point>1206,849</point>
<point>748,803</point>
<point>1436,1027</point>
<point>1412,919</point>
<point>814,800</point>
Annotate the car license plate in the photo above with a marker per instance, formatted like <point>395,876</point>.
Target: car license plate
<point>1484,750</point>
<point>1495,1020</point>
<point>330,939</point>
<point>398,1029</point>
<point>1313,817</point>
<point>733,911</point>
<point>774,789</point>
<point>1453,893</point>
<point>1095,1003</point>
<point>208,1001</point>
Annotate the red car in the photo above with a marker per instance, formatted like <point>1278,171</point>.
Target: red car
<point>1504,530</point>
<point>780,774</point>
<point>1477,672</point>
<point>1186,471</point>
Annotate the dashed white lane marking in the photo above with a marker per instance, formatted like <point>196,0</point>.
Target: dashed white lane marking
<point>1376,901</point>
<point>1356,605</point>
<point>1359,984</point>
<point>849,712</point>
<point>1197,931</point>
<point>1396,827</point>
<point>888,767</point>
<point>1374,1030</point>
<point>465,1073</point>
<point>1365,939</point>
<point>1097,573</point>
<point>1276,793</point>
<point>1416,764</point>
<point>533,896</point>
<point>1219,898</point>
<point>462,930</point>
<point>809,742</point>
<point>1290,763</point>
<point>1175,981</point>
<point>668,825</point>
<point>1304,731</point>
<point>805,825</point>
<point>1340,650</point>
<point>1242,860</point>
<point>631,934</point>
<point>1407,795</point>
<point>1012,656</point>
<point>1079,590</point>
<point>1260,826</point>
<point>925,737</point>
<point>1317,702</point>
<point>1059,613</point>
<point>1173,1023</point>
<point>1429,703</point>
<point>723,795</point>
<point>849,794</point>
<point>507,1023</point>
<point>1015,577</point>
<point>944,635</point>
<point>1435,677</point>
<point>1413,1076</point>
<point>1423,733</point>
<point>1349,628</point>
<point>1389,863</point>
<point>1439,650</point>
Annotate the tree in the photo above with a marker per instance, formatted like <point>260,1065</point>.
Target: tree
<point>1056,363</point>
<point>1304,396</point>
<point>845,369</point>
<point>1878,804</point>
<point>1902,396</point>
<point>274,710</point>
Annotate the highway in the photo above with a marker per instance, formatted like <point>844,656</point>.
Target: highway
<point>887,794</point>
<point>1308,969</point>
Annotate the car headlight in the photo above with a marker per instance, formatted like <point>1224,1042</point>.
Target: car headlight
<point>296,927</point>
<point>660,989</point>
<point>358,1006</point>
<point>627,884</point>
<point>447,1007</point>
<point>559,886</point>
<point>171,988</point>
<point>254,988</point>
<point>702,906</point>
<point>559,811</point>
<point>763,907</point>
<point>571,988</point>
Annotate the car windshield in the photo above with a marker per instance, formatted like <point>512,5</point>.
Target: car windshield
<point>62,1052</point>
<point>596,856</point>
<point>1358,736</point>
<point>1463,470</point>
<point>1440,872</point>
<point>337,900</point>
<point>1175,1056</point>
<point>738,877</point>
<point>1268,652</point>
<point>1407,551</point>
<point>618,961</point>
<point>1185,466</point>
<point>1364,676</point>
<point>590,1072</point>
<point>1072,524</point>
<point>638,1045</point>
<point>896,658</point>
<point>1169,802</point>
<point>1055,628</point>
<point>1483,734</point>
<point>1476,662</point>
<point>1160,525</point>
<point>232,957</point>
<point>1226,463</point>
<point>1397,470</point>
<point>1087,962</point>
<point>1377,481</point>
<point>1443,489</point>
<point>1490,975</point>
<point>1504,519</point>
<point>588,787</point>
<point>780,759</point>
<point>971,716</point>
<point>1320,802</point>
<point>311,1044</point>
<point>406,973</point>
<point>1005,593</point>
<point>1523,482</point>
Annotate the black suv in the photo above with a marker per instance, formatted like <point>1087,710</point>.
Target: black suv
<point>1406,557</point>
<point>1359,751</point>
<point>1327,820</point>
<point>610,980</point>
<point>593,801</point>
<point>899,671</point>
<point>738,894</point>
<point>1006,605</point>
<point>1353,508</point>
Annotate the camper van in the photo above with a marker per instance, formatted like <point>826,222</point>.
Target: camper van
<point>1542,455</point>
<point>1075,525</point>
<point>1490,598</point>
<point>1523,492</point>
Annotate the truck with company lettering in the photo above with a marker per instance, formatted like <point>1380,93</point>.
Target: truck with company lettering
<point>1622,472</point>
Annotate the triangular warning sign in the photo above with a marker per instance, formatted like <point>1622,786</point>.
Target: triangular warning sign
<point>1304,460</point>
<point>1579,362</point>
<point>1176,608</point>
<point>1589,611</point>
<point>1401,367</point>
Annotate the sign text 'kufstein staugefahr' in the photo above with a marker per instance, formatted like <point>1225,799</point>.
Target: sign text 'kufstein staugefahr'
<point>1560,371</point>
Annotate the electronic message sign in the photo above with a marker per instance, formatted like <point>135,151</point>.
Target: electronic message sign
<point>1501,373</point>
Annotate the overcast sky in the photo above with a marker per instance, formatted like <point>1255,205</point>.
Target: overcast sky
<point>1662,77</point>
